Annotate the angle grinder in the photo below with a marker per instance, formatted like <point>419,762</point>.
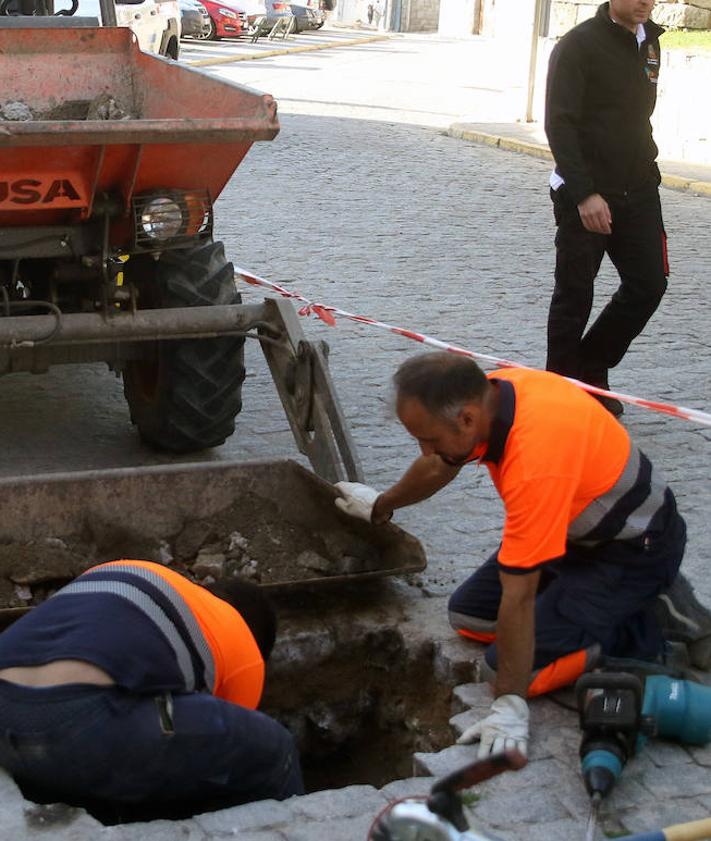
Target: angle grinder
<point>440,817</point>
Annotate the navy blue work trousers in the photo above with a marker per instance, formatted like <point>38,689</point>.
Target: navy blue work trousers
<point>136,757</point>
<point>602,595</point>
<point>637,248</point>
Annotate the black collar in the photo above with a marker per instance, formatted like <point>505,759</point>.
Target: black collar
<point>501,422</point>
<point>652,30</point>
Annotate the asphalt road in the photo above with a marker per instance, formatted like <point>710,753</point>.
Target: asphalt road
<point>363,203</point>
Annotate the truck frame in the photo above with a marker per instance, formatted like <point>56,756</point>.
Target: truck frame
<point>106,238</point>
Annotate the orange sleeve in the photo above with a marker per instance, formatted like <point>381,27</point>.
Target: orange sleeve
<point>537,517</point>
<point>243,685</point>
<point>239,668</point>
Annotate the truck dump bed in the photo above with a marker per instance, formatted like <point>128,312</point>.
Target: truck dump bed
<point>274,522</point>
<point>102,116</point>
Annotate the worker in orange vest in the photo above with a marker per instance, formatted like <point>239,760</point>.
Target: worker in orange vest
<point>133,692</point>
<point>592,540</point>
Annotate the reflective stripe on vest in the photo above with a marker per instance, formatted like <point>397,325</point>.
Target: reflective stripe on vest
<point>636,521</point>
<point>157,615</point>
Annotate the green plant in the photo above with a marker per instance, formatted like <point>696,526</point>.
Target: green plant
<point>689,40</point>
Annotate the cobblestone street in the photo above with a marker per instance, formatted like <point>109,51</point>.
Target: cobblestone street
<point>457,244</point>
<point>405,224</point>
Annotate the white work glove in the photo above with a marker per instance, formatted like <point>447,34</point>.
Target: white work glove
<point>505,728</point>
<point>357,499</point>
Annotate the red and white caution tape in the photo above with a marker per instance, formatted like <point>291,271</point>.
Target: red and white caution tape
<point>328,315</point>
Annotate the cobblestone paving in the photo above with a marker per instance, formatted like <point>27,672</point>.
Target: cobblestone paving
<point>405,224</point>
<point>454,240</point>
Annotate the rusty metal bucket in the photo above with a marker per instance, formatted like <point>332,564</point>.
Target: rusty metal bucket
<point>277,514</point>
<point>185,130</point>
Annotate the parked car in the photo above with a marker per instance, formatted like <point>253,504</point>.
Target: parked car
<point>194,19</point>
<point>306,18</point>
<point>276,16</point>
<point>227,20</point>
<point>252,9</point>
<point>155,23</point>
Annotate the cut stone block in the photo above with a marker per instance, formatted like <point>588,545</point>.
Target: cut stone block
<point>682,17</point>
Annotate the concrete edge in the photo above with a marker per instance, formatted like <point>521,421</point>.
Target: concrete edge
<point>537,150</point>
<point>306,48</point>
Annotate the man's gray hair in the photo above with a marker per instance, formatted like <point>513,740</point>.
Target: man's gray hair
<point>442,382</point>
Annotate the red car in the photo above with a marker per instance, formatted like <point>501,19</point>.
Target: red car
<point>225,20</point>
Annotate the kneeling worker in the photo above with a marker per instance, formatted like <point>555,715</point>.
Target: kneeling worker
<point>592,535</point>
<point>134,689</point>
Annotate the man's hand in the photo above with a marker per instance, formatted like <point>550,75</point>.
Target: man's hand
<point>595,214</point>
<point>505,728</point>
<point>358,500</point>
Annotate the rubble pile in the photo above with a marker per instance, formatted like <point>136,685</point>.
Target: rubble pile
<point>16,111</point>
<point>105,106</point>
<point>250,539</point>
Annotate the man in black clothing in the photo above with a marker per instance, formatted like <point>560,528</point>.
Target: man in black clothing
<point>602,87</point>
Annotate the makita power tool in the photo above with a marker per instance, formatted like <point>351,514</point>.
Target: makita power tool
<point>620,711</point>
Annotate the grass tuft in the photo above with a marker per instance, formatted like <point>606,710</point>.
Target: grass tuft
<point>689,40</point>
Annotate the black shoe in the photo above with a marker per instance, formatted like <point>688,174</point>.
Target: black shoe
<point>612,404</point>
<point>684,619</point>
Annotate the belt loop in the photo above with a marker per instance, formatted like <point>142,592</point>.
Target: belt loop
<point>164,703</point>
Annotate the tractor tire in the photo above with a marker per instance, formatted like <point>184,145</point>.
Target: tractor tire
<point>187,397</point>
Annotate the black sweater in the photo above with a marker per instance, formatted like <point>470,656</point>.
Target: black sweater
<point>601,92</point>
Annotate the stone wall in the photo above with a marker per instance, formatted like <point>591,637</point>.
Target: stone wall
<point>682,125</point>
<point>420,15</point>
<point>680,15</point>
<point>695,14</point>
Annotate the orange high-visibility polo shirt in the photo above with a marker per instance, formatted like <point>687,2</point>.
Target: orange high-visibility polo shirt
<point>233,664</point>
<point>553,452</point>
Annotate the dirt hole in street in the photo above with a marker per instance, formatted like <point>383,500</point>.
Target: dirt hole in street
<point>359,716</point>
<point>358,694</point>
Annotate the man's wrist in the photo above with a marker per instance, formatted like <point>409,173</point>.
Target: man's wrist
<point>381,513</point>
<point>500,694</point>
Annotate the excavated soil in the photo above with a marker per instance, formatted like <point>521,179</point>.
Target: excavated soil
<point>250,539</point>
<point>102,107</point>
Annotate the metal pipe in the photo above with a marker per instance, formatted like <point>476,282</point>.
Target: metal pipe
<point>145,325</point>
<point>108,13</point>
<point>533,64</point>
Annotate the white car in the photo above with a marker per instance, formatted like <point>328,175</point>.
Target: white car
<point>155,23</point>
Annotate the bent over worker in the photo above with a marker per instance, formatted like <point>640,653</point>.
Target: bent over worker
<point>133,687</point>
<point>592,534</point>
<point>601,92</point>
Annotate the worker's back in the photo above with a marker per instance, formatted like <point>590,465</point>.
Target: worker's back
<point>148,628</point>
<point>103,702</point>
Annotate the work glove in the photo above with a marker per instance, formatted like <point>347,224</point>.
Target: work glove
<point>505,728</point>
<point>357,499</point>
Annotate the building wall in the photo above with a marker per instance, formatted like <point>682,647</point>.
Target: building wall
<point>419,15</point>
<point>399,15</point>
<point>458,18</point>
<point>691,14</point>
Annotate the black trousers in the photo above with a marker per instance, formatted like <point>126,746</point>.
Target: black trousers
<point>602,595</point>
<point>637,248</point>
<point>128,757</point>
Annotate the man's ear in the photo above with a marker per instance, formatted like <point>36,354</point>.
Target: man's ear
<point>470,415</point>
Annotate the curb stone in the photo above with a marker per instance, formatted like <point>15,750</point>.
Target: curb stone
<point>306,48</point>
<point>537,150</point>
